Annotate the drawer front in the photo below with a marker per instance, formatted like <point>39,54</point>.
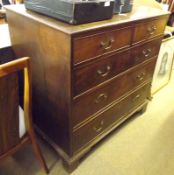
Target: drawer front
<point>102,70</point>
<point>145,51</point>
<point>149,30</point>
<point>108,118</point>
<point>87,104</point>
<point>88,47</point>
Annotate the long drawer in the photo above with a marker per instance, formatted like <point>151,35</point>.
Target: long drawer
<point>104,69</point>
<point>108,118</point>
<point>89,103</point>
<point>89,46</point>
<point>149,29</point>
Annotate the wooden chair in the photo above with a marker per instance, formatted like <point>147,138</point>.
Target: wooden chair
<point>11,138</point>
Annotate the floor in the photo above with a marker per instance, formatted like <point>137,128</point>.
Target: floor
<point>144,145</point>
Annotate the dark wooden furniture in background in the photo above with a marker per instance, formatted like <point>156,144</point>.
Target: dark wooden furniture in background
<point>87,79</point>
<point>6,54</point>
<point>171,9</point>
<point>170,3</point>
<point>10,141</point>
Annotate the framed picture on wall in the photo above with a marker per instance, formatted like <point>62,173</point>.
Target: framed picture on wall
<point>164,63</point>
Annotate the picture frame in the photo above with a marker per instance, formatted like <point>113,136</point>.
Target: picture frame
<point>164,65</point>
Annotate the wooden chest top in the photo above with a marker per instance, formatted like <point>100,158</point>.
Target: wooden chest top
<point>138,13</point>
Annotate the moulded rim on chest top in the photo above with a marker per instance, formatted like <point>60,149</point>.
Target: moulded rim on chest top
<point>138,13</point>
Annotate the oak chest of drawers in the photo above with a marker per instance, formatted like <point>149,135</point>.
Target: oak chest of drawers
<point>87,79</point>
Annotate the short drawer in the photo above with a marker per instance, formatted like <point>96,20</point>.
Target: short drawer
<point>108,118</point>
<point>89,103</point>
<point>149,29</point>
<point>88,47</point>
<point>145,51</point>
<point>102,70</point>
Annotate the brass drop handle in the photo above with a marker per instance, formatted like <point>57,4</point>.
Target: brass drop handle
<point>147,52</point>
<point>100,127</point>
<point>136,97</point>
<point>106,45</point>
<point>101,97</point>
<point>140,77</point>
<point>151,30</point>
<point>104,73</point>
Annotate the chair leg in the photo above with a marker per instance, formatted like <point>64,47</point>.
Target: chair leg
<point>38,153</point>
